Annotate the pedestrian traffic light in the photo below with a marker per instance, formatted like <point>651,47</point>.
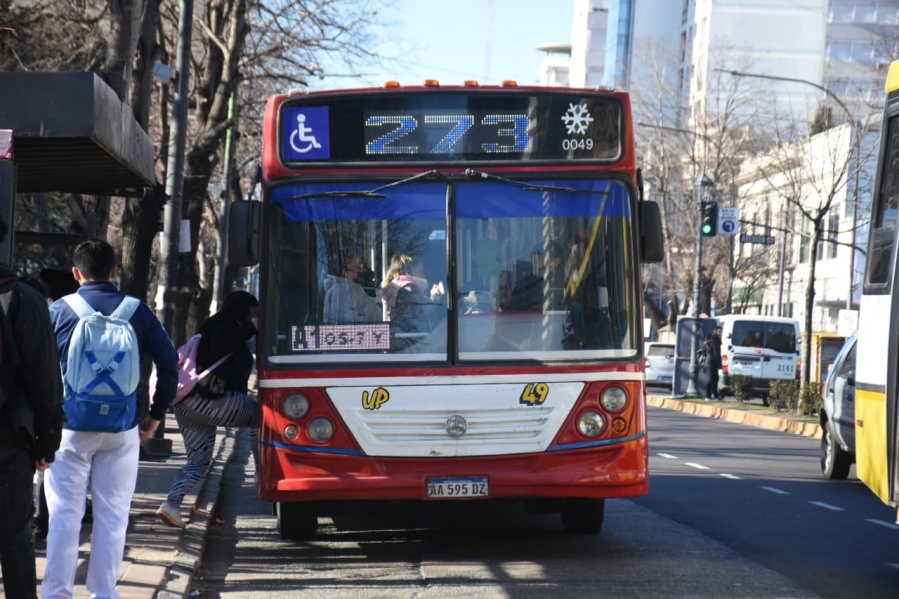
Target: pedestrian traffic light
<point>709,223</point>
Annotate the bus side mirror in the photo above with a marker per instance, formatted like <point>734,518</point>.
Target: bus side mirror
<point>243,233</point>
<point>652,247</point>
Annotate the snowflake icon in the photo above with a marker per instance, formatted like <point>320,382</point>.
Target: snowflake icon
<point>577,118</point>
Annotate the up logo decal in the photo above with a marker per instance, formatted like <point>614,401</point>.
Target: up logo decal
<point>378,397</point>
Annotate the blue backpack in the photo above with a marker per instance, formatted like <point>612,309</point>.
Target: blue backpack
<point>103,368</point>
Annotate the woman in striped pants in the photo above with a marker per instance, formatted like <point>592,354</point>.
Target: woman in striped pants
<point>220,398</point>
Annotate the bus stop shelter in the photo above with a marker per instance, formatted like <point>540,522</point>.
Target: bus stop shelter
<point>67,132</point>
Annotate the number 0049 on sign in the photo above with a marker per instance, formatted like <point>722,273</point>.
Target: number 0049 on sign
<point>457,488</point>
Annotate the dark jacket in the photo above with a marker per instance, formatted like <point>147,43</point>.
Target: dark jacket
<point>32,414</point>
<point>151,338</point>
<point>221,336</point>
<point>712,349</point>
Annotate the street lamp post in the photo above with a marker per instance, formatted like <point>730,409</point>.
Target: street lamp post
<point>702,192</point>
<point>856,134</point>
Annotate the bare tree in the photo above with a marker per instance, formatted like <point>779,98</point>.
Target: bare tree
<point>675,152</point>
<point>809,175</point>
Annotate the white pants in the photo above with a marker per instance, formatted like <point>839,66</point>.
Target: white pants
<point>107,464</point>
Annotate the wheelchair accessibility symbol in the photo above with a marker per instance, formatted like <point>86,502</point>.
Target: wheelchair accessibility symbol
<point>303,134</point>
<point>305,131</point>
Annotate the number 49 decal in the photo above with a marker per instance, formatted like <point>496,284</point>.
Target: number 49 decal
<point>534,394</point>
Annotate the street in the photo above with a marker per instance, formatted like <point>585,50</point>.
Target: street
<point>733,511</point>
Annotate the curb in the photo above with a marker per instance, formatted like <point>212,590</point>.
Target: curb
<point>189,551</point>
<point>805,429</point>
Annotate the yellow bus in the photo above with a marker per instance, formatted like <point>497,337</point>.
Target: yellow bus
<point>877,370</point>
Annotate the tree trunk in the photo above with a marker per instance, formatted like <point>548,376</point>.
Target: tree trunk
<point>809,306</point>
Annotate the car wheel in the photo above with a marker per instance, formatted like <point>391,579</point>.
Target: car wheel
<point>835,462</point>
<point>583,516</point>
<point>296,521</point>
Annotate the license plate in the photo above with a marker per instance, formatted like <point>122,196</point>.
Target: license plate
<point>455,488</point>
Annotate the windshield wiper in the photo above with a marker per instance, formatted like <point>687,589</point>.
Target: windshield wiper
<point>337,194</point>
<point>372,193</point>
<point>528,187</point>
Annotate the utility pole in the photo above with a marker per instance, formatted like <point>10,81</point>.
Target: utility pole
<point>218,284</point>
<point>174,185</point>
<point>702,191</point>
<point>174,182</point>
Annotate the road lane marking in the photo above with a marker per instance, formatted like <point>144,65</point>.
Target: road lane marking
<point>777,491</point>
<point>827,506</point>
<point>731,476</point>
<point>697,466</point>
<point>667,456</point>
<point>882,523</point>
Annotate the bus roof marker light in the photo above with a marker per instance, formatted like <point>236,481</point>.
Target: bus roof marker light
<point>391,83</point>
<point>431,83</point>
<point>509,83</point>
<point>470,83</point>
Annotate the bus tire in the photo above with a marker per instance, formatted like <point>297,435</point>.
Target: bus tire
<point>296,522</point>
<point>583,516</point>
<point>835,462</point>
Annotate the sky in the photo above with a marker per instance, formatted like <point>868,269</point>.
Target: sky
<point>485,40</point>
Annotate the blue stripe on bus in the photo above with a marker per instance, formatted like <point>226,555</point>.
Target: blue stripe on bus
<point>602,443</point>
<point>312,448</point>
<point>423,201</point>
<point>357,452</point>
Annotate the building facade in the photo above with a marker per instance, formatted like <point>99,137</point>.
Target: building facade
<point>817,63</point>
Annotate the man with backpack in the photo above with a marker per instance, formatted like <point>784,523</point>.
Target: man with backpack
<point>30,421</point>
<point>101,335</point>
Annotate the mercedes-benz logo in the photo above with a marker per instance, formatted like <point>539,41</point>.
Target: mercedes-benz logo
<point>456,426</point>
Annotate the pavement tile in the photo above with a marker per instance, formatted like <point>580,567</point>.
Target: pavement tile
<point>160,561</point>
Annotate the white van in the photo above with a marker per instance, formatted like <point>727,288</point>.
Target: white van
<point>765,348</point>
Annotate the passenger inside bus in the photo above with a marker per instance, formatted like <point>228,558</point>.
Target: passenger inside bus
<point>407,295</point>
<point>544,288</point>
<point>345,299</point>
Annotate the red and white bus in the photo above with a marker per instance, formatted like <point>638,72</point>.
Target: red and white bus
<point>514,369</point>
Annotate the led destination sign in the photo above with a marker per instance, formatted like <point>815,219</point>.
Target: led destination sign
<point>440,127</point>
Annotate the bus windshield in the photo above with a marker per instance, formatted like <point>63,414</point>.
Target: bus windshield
<point>541,269</point>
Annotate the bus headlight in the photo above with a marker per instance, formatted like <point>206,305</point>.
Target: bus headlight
<point>321,430</point>
<point>614,399</point>
<point>590,424</point>
<point>295,406</point>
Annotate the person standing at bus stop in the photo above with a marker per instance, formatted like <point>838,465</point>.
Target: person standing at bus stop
<point>712,349</point>
<point>104,463</point>
<point>220,398</point>
<point>30,422</point>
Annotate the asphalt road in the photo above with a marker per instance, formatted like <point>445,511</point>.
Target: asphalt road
<point>733,511</point>
<point>761,494</point>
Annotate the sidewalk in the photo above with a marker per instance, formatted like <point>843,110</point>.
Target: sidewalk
<point>160,561</point>
<point>735,414</point>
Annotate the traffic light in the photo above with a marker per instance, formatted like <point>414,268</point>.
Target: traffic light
<point>709,222</point>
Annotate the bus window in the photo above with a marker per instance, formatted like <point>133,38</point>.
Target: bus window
<point>561,283</point>
<point>883,217</point>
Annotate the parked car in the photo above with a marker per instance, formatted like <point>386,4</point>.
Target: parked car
<point>659,363</point>
<point>764,348</point>
<point>838,414</point>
